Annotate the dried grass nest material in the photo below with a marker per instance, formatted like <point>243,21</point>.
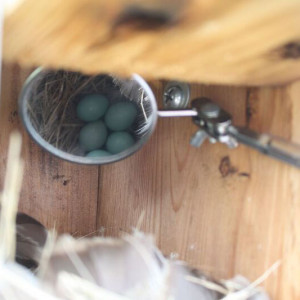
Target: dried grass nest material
<point>53,102</point>
<point>131,268</point>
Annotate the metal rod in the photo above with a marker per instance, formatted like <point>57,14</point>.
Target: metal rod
<point>269,145</point>
<point>177,113</point>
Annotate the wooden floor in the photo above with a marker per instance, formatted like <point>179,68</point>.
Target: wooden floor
<point>224,211</point>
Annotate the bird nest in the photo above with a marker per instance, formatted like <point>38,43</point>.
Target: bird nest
<point>52,105</point>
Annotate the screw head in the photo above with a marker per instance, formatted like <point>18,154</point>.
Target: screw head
<point>173,97</point>
<point>176,95</point>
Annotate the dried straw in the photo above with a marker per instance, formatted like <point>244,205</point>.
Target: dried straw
<point>10,198</point>
<point>52,106</point>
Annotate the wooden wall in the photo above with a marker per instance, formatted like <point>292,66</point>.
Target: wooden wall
<point>224,42</point>
<point>224,211</point>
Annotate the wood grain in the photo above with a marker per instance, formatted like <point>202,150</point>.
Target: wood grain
<point>57,193</point>
<point>227,42</point>
<point>226,212</point>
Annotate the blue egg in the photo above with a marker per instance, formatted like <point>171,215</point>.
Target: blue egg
<point>119,141</point>
<point>98,153</point>
<point>120,116</point>
<point>92,107</point>
<point>92,136</point>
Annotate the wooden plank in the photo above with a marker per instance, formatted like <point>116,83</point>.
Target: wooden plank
<point>224,211</point>
<point>269,227</point>
<point>57,193</point>
<point>228,42</point>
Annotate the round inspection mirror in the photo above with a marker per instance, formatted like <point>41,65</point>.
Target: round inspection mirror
<point>59,112</point>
